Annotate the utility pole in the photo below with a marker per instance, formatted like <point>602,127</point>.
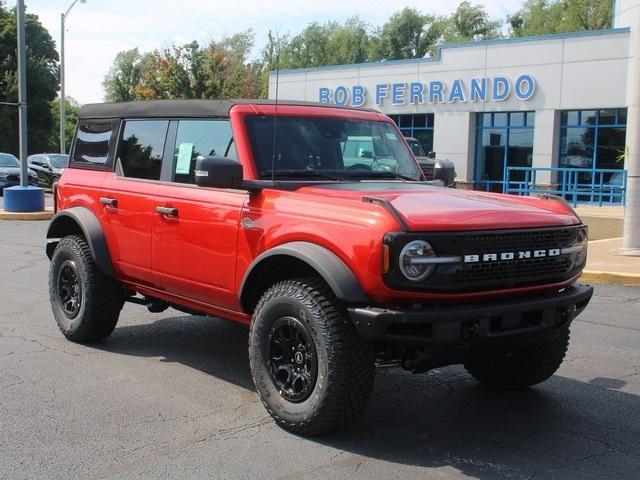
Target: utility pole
<point>22,96</point>
<point>63,147</point>
<point>63,17</point>
<point>23,198</point>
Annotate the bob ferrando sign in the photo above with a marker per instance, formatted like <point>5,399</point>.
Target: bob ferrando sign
<point>496,89</point>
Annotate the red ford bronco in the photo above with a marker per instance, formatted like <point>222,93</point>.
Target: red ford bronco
<point>337,256</point>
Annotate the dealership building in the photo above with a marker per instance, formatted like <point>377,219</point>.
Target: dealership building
<point>551,109</point>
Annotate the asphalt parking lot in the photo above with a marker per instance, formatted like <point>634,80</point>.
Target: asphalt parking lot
<point>170,396</point>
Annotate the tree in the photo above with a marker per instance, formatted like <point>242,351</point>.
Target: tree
<point>540,17</point>
<point>123,77</point>
<point>471,22</point>
<point>408,34</point>
<point>42,82</point>
<point>71,108</point>
<point>221,69</point>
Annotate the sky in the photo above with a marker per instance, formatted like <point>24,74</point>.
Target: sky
<point>98,29</point>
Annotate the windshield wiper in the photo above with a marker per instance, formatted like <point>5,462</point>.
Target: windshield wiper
<point>299,174</point>
<point>377,174</point>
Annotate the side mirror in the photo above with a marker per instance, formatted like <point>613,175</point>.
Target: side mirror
<point>219,172</point>
<point>431,154</point>
<point>445,170</point>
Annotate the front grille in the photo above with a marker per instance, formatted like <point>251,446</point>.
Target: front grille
<point>428,171</point>
<point>510,273</point>
<point>13,178</point>
<point>492,275</point>
<point>505,241</point>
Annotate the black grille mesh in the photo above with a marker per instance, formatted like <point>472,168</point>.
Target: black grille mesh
<point>428,171</point>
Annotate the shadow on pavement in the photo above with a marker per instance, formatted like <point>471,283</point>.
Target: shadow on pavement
<point>563,429</point>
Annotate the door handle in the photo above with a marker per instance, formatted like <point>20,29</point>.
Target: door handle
<point>109,202</point>
<point>168,211</point>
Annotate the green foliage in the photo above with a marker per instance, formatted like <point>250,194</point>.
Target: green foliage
<point>540,17</point>
<point>221,69</point>
<point>408,34</point>
<point>123,77</point>
<point>71,108</point>
<point>471,22</point>
<point>42,82</point>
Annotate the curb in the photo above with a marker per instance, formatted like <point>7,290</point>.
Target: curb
<point>44,215</point>
<point>597,276</point>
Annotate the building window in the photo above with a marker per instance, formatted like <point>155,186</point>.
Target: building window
<point>503,139</point>
<point>418,126</point>
<point>593,139</point>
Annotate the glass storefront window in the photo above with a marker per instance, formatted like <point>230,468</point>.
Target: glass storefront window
<point>419,126</point>
<point>598,143</point>
<point>503,139</point>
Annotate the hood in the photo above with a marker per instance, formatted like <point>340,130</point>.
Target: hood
<point>16,171</point>
<point>423,207</point>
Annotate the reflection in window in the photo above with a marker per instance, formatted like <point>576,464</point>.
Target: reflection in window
<point>207,138</point>
<point>593,139</point>
<point>419,126</point>
<point>142,148</point>
<point>503,139</point>
<point>92,143</point>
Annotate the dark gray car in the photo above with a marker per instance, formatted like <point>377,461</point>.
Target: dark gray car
<point>10,172</point>
<point>48,166</point>
<point>433,169</point>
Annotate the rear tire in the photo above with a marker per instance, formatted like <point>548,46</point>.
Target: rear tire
<point>312,371</point>
<point>86,303</point>
<point>523,368</point>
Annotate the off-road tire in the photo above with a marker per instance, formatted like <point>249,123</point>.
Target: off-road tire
<point>101,296</point>
<point>522,368</point>
<point>345,361</point>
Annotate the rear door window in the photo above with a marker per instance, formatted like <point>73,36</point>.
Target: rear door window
<point>142,149</point>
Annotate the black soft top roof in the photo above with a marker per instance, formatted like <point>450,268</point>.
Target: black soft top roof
<point>180,108</point>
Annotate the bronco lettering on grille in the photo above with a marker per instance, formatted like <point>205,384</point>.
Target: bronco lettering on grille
<point>506,256</point>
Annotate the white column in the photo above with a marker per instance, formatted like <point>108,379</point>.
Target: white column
<point>545,143</point>
<point>628,14</point>
<point>453,139</point>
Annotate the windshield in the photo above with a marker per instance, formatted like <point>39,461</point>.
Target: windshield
<point>416,147</point>
<point>59,161</point>
<point>8,160</point>
<point>330,148</point>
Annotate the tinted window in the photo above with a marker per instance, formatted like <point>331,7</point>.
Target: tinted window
<point>59,161</point>
<point>341,148</point>
<point>207,138</point>
<point>8,160</point>
<point>142,148</point>
<point>92,143</point>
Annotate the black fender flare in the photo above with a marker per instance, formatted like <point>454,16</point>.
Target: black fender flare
<point>329,266</point>
<point>69,221</point>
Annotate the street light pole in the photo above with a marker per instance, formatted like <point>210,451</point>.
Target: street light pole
<point>63,16</point>
<point>22,96</point>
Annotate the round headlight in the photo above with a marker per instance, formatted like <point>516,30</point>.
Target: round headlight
<point>414,260</point>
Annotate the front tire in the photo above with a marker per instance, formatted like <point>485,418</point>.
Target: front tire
<point>312,371</point>
<point>522,368</point>
<point>86,303</point>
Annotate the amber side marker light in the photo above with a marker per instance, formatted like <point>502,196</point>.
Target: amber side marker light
<point>385,258</point>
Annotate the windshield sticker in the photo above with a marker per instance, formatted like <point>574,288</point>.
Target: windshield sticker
<point>183,164</point>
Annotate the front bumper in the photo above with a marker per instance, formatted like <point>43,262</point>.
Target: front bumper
<point>502,323</point>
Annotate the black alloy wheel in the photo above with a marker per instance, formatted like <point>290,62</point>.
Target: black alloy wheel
<point>311,369</point>
<point>293,362</point>
<point>86,302</point>
<point>69,289</point>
